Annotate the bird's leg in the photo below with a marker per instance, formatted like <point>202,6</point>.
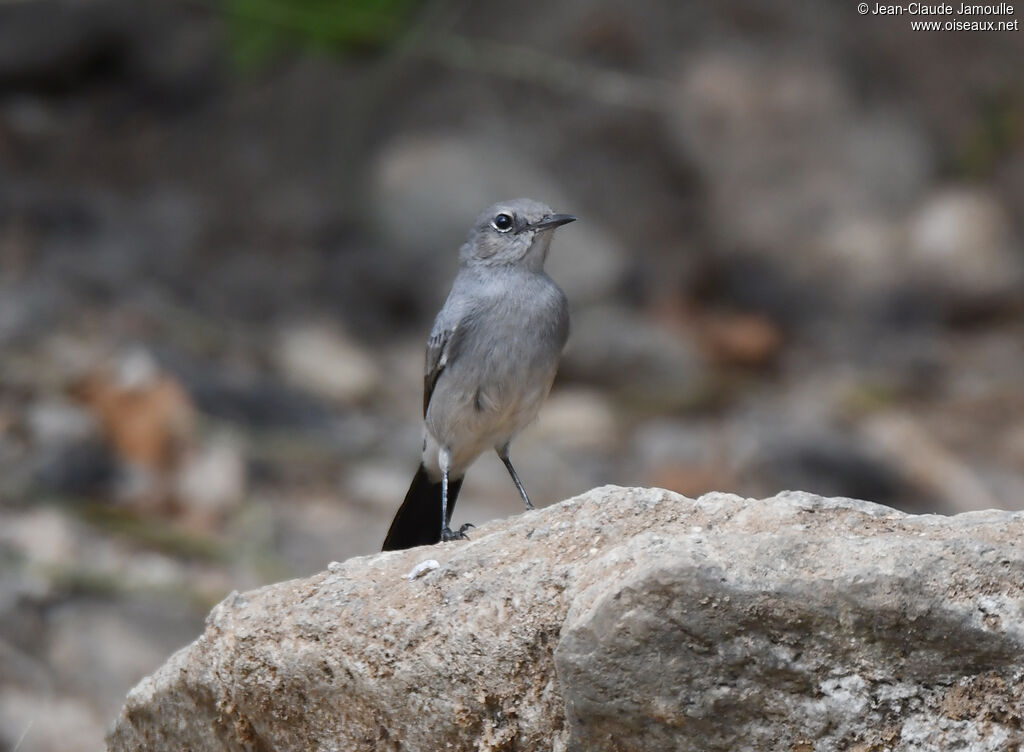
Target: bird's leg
<point>503,453</point>
<point>445,530</point>
<point>447,534</point>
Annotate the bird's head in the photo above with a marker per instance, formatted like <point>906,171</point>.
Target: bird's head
<point>513,233</point>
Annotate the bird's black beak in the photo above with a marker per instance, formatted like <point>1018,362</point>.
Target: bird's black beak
<point>551,221</point>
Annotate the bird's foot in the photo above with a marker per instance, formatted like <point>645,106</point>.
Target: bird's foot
<point>447,534</point>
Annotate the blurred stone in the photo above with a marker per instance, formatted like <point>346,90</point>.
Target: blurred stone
<point>88,242</point>
<point>1013,445</point>
<point>46,538</point>
<point>662,441</point>
<point>830,462</point>
<point>54,549</point>
<point>739,339</point>
<point>149,423</point>
<point>72,355</point>
<point>791,160</point>
<point>429,190</point>
<point>172,55</point>
<point>614,347</point>
<point>98,647</point>
<point>381,484</point>
<point>143,489</point>
<point>153,571</point>
<point>30,119</point>
<point>24,595</point>
<point>867,246</point>
<point>577,418</point>
<point>920,456</point>
<point>313,531</point>
<point>43,722</point>
<point>54,422</point>
<point>47,43</point>
<point>17,251</point>
<point>253,401</point>
<point>961,246</point>
<point>74,470</point>
<point>212,479</point>
<point>731,105</point>
<point>402,391</point>
<point>326,362</point>
<point>146,415</point>
<point>26,310</point>
<point>688,480</point>
<point>165,52</point>
<point>888,157</point>
<point>1006,485</point>
<point>1009,181</point>
<point>685,456</point>
<point>17,667</point>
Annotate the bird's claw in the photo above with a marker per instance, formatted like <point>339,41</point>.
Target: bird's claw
<point>447,534</point>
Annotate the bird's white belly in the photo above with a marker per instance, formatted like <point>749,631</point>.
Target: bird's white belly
<point>483,418</point>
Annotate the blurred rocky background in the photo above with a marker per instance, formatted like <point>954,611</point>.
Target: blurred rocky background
<point>225,228</point>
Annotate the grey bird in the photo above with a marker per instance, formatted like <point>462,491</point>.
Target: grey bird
<point>491,359</point>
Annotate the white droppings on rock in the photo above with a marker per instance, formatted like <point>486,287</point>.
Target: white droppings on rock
<point>428,565</point>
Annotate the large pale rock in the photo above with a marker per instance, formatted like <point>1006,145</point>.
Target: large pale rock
<point>624,619</point>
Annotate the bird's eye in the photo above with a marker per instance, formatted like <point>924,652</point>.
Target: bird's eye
<point>502,222</point>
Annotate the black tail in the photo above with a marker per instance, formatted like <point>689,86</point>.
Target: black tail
<point>418,521</point>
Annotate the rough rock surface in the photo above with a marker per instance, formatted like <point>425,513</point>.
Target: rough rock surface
<point>624,619</point>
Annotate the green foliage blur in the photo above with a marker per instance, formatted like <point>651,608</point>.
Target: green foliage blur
<point>259,30</point>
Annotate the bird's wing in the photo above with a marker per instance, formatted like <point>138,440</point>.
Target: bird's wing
<point>442,348</point>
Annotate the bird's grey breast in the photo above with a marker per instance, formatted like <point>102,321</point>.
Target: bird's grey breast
<point>526,324</point>
<point>514,326</point>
